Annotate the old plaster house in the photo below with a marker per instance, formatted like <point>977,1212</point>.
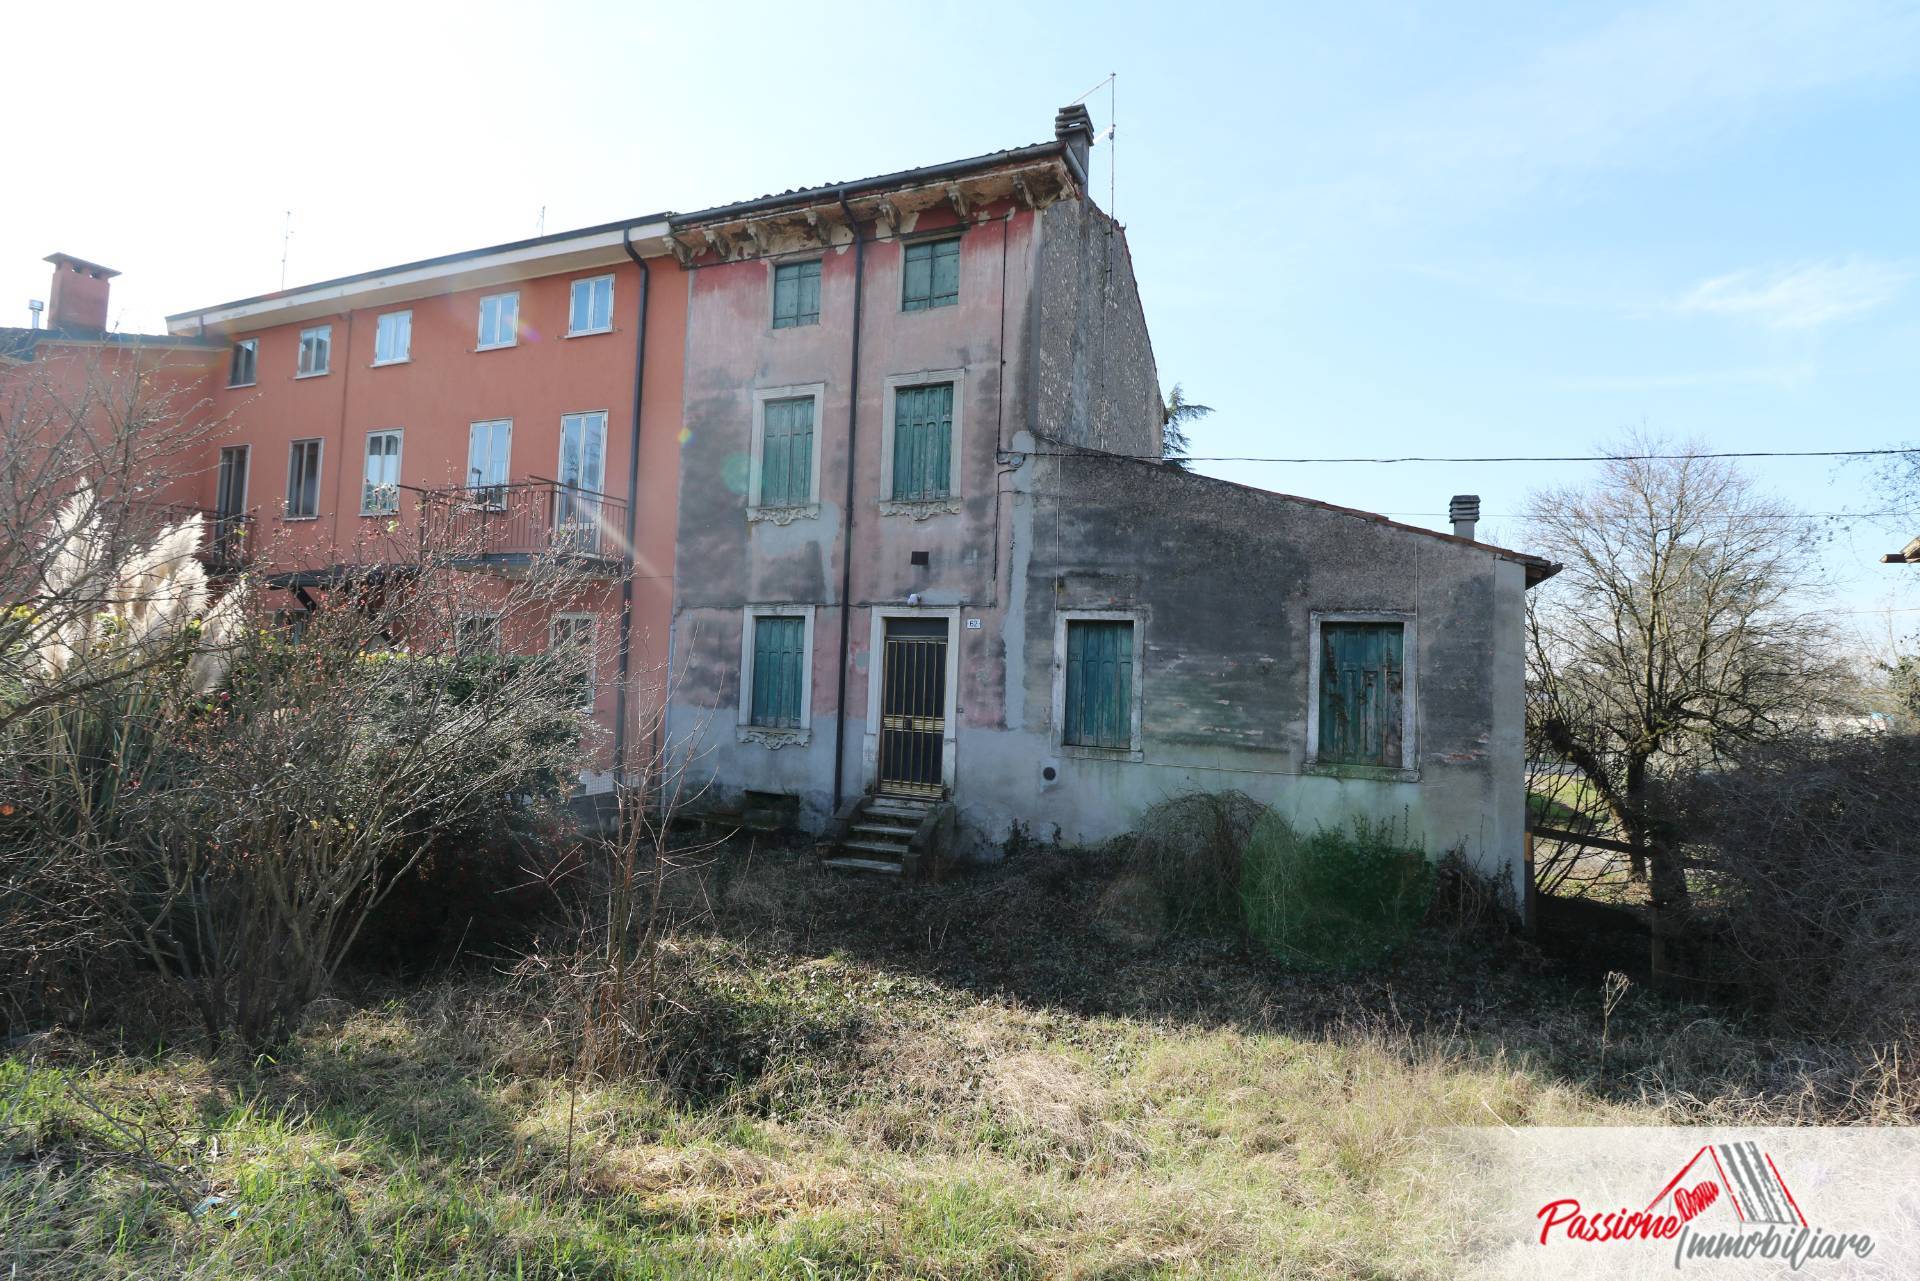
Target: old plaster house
<point>931,581</point>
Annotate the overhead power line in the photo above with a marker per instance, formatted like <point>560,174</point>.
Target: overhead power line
<point>1562,458</point>
<point>1906,515</point>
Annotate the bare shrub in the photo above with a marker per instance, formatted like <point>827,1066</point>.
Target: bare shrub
<point>231,808</point>
<point>1189,848</point>
<point>1810,850</point>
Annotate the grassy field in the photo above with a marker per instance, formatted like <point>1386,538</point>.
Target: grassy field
<point>1016,1074</point>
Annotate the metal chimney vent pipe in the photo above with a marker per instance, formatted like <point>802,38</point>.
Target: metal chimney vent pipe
<point>1464,512</point>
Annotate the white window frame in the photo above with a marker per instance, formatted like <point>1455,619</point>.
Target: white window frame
<point>399,456</point>
<point>593,649</point>
<point>246,476</point>
<point>572,288</point>
<point>1409,767</point>
<point>781,513</point>
<point>325,332</point>
<point>512,339</point>
<point>506,475</point>
<point>1136,748</point>
<point>767,736</point>
<point>252,345</point>
<point>473,616</point>
<point>404,322</point>
<point>876,648</point>
<point>890,391</point>
<point>319,477</point>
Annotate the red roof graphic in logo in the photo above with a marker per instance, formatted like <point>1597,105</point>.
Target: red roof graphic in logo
<point>1745,1175</point>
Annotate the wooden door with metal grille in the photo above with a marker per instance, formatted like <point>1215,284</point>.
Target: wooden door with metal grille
<point>913,706</point>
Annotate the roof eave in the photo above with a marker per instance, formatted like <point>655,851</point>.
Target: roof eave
<point>582,248</point>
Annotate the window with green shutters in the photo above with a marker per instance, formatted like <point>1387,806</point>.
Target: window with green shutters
<point>1362,669</point>
<point>796,294</point>
<point>930,275</point>
<point>786,452</point>
<point>923,443</point>
<point>1099,701</point>
<point>779,658</point>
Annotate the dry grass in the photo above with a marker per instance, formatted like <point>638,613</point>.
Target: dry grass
<point>949,1082</point>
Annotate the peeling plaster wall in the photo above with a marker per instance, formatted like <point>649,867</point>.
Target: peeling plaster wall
<point>1223,580</point>
<point>1052,343</point>
<point>725,562</point>
<point>1095,382</point>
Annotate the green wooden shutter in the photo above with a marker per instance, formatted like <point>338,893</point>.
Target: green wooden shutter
<point>786,297</point>
<point>1099,703</point>
<point>779,646</point>
<point>946,273</point>
<point>923,443</point>
<point>786,452</point>
<point>809,290</point>
<point>930,275</point>
<point>796,294</point>
<point>1361,670</point>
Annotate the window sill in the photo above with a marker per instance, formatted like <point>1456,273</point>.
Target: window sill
<point>382,364</point>
<point>1372,773</point>
<point>772,739</point>
<point>292,519</point>
<point>394,512</point>
<point>1079,752</point>
<point>318,373</point>
<point>495,346</point>
<point>783,514</point>
<point>923,308</point>
<point>240,386</point>
<point>920,509</point>
<point>587,333</point>
<point>798,324</point>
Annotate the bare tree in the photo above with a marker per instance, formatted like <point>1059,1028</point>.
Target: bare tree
<point>230,803</point>
<point>1684,622</point>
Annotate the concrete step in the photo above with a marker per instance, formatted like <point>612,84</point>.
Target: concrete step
<point>892,831</point>
<point>892,849</point>
<point>905,810</point>
<point>863,865</point>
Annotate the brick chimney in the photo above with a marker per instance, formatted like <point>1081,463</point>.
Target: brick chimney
<point>1073,126</point>
<point>79,299</point>
<point>1464,512</point>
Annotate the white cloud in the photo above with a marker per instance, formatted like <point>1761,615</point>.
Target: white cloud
<point>1805,296</point>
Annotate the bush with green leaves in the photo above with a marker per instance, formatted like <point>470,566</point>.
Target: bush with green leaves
<point>1333,898</point>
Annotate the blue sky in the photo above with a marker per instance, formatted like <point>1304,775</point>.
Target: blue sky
<point>1359,228</point>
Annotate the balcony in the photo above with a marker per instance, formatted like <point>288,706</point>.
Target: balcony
<point>509,527</point>
<point>226,538</point>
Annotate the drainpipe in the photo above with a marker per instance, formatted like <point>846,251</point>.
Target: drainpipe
<point>846,513</point>
<point>633,516</point>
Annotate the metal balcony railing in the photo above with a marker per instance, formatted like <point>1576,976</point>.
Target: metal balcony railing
<point>226,538</point>
<point>522,520</point>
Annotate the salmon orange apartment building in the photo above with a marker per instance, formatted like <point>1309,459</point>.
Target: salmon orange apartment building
<point>533,388</point>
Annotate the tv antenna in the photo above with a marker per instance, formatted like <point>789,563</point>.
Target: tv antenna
<point>1111,84</point>
<point>286,240</point>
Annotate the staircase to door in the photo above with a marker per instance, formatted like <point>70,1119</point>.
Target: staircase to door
<point>878,835</point>
<point>906,821</point>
